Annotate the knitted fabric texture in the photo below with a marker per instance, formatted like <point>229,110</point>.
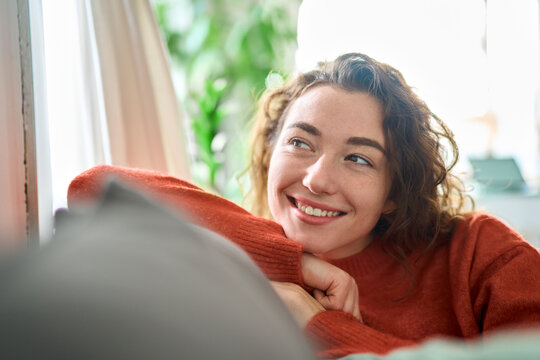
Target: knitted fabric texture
<point>487,278</point>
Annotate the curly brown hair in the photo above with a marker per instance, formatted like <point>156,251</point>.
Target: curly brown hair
<point>429,199</point>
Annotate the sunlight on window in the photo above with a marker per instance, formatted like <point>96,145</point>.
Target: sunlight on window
<point>68,94</point>
<point>514,78</point>
<point>466,60</point>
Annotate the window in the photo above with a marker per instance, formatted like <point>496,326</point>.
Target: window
<point>474,62</point>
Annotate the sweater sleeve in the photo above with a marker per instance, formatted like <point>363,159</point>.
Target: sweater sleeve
<point>339,334</point>
<point>505,278</point>
<point>264,241</point>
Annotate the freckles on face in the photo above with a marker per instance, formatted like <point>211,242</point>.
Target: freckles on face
<point>328,178</point>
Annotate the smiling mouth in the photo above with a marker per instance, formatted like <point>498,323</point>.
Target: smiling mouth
<point>309,210</point>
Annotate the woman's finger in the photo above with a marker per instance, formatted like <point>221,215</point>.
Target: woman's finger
<point>318,294</point>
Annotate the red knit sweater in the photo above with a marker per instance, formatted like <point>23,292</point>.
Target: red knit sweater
<point>486,278</point>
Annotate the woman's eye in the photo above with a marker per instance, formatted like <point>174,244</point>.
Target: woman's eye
<point>357,159</point>
<point>299,144</point>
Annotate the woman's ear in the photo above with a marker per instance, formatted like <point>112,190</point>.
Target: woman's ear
<point>389,207</point>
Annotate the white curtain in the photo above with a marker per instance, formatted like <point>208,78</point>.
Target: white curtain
<point>143,119</point>
<point>110,91</point>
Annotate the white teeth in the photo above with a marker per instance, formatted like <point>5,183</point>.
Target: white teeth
<point>315,211</point>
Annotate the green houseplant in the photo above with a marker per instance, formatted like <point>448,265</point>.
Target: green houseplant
<point>222,54</point>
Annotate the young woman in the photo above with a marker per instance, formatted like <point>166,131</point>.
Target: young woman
<point>370,248</point>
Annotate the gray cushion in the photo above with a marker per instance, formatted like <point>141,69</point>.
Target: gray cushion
<point>129,279</point>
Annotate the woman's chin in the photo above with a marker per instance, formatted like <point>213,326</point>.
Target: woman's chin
<point>312,248</point>
<point>311,243</point>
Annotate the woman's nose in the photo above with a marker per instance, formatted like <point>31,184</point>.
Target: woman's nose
<point>320,177</point>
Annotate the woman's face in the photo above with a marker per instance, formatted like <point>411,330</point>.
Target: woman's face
<point>328,178</point>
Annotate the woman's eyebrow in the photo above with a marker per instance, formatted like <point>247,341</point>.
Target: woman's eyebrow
<point>306,127</point>
<point>363,141</point>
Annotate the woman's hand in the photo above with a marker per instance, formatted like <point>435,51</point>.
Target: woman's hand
<point>333,288</point>
<point>300,304</point>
